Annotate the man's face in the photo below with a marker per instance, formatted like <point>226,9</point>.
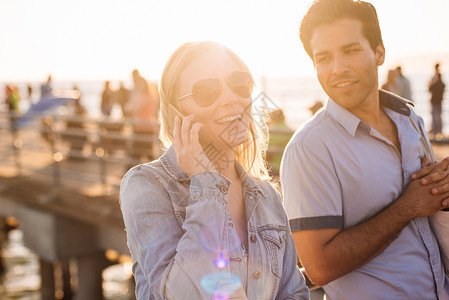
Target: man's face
<point>346,65</point>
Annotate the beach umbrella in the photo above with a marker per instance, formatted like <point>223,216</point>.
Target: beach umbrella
<point>47,104</point>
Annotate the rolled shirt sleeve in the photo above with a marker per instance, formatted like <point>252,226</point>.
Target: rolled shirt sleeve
<point>311,189</point>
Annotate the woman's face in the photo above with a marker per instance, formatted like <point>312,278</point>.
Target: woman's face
<point>226,120</point>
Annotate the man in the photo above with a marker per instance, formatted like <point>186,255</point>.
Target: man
<point>360,225</point>
<point>436,89</point>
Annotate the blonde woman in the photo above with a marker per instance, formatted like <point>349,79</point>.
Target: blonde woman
<point>202,221</point>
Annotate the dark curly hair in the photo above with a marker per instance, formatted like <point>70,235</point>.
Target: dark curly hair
<point>329,11</point>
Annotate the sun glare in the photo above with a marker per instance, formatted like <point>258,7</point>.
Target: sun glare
<point>107,39</point>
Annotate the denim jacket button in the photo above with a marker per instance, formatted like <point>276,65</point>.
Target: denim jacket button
<point>222,189</point>
<point>257,275</point>
<point>253,238</point>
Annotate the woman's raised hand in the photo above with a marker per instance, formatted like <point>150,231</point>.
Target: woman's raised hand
<point>189,152</point>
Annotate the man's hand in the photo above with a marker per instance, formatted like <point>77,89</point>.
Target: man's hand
<point>328,254</point>
<point>423,200</point>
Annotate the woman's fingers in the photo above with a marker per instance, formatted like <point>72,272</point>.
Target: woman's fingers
<point>195,134</point>
<point>189,152</point>
<point>185,130</point>
<point>177,140</point>
<point>434,177</point>
<point>424,172</point>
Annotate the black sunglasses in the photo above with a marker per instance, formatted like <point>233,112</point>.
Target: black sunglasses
<point>205,92</point>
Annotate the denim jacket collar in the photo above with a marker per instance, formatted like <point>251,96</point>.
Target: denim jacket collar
<point>169,162</point>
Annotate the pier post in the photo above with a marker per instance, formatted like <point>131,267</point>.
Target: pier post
<point>90,268</point>
<point>47,280</point>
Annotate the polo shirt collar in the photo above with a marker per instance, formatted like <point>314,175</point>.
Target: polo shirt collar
<point>346,119</point>
<point>350,122</point>
<point>395,103</point>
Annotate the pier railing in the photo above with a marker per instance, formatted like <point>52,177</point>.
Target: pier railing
<point>67,149</point>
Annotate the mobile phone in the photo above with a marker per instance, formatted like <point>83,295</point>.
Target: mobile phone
<point>172,113</point>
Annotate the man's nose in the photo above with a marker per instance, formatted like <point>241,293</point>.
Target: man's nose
<point>340,65</point>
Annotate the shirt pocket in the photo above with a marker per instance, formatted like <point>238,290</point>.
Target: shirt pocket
<point>274,241</point>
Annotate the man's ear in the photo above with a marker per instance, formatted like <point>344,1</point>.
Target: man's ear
<point>380,55</point>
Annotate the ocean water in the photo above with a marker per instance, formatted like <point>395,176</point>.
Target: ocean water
<point>292,94</point>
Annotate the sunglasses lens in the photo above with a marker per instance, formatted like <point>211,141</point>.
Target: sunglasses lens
<point>241,84</point>
<point>205,92</point>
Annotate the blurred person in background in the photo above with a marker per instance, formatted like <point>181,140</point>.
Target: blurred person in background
<point>279,135</point>
<point>436,88</point>
<point>47,87</point>
<point>317,105</point>
<point>107,99</point>
<point>12,98</point>
<point>122,97</point>
<point>141,108</point>
<point>403,84</point>
<point>75,134</point>
<point>391,82</point>
<point>30,93</point>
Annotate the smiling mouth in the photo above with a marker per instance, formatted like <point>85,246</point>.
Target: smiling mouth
<point>344,84</point>
<point>229,119</point>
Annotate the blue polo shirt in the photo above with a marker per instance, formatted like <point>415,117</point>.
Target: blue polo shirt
<point>338,172</point>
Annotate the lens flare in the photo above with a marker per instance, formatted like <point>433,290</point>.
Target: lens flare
<point>220,284</point>
<point>221,261</point>
<point>220,297</point>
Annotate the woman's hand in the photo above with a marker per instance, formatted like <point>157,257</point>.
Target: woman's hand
<point>436,173</point>
<point>189,152</point>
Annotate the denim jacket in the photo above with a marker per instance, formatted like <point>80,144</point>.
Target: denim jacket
<point>178,227</point>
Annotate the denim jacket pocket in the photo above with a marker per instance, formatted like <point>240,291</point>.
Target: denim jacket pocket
<point>274,240</point>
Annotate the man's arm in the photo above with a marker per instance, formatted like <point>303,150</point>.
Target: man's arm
<point>328,254</point>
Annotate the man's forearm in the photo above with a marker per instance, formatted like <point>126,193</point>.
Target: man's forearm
<point>353,247</point>
<point>357,245</point>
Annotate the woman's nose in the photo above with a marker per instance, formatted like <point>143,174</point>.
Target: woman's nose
<point>229,97</point>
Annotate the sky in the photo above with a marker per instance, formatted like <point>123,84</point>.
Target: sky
<point>107,39</point>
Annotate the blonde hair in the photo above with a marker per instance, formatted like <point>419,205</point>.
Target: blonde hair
<point>249,154</point>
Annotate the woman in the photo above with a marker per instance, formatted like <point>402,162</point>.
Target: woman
<point>202,222</point>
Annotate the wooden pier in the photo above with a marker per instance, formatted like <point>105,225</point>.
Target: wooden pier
<point>60,177</point>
